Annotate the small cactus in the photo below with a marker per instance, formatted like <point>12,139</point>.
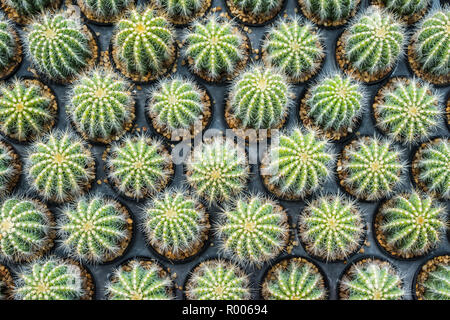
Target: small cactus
<point>218,170</point>
<point>329,13</point>
<point>139,166</point>
<point>331,227</point>
<point>254,230</point>
<point>25,229</point>
<point>294,279</point>
<point>10,48</point>
<point>407,110</point>
<point>139,280</point>
<point>27,109</point>
<point>60,166</point>
<point>30,7</point>
<point>183,11</point>
<point>371,279</point>
<point>101,105</point>
<point>95,229</point>
<point>294,46</point>
<point>218,280</point>
<point>103,10</point>
<point>298,165</point>
<point>410,224</point>
<point>409,10</point>
<point>215,48</point>
<point>67,45</point>
<point>436,285</point>
<point>258,7</point>
<point>370,168</point>
<point>10,168</point>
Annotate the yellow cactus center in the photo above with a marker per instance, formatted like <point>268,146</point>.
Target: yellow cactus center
<point>332,223</point>
<point>59,158</point>
<point>377,295</point>
<point>100,93</point>
<point>214,41</point>
<point>380,32</point>
<point>420,220</point>
<point>172,100</point>
<point>376,166</point>
<point>50,33</point>
<point>262,84</point>
<point>171,213</point>
<point>219,291</point>
<point>413,111</point>
<point>342,92</point>
<point>136,296</point>
<point>138,165</point>
<point>250,226</point>
<point>42,288</point>
<point>6,226</point>
<point>216,174</point>
<point>20,106</point>
<point>295,46</point>
<point>140,28</point>
<point>304,158</point>
<point>88,226</point>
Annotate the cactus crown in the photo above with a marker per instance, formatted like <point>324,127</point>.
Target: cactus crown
<point>29,7</point>
<point>294,46</point>
<point>8,43</point>
<point>218,170</point>
<point>332,227</point>
<point>334,11</point>
<point>437,285</point>
<point>218,280</point>
<point>182,8</point>
<point>254,230</point>
<point>260,98</point>
<point>406,7</point>
<point>258,6</point>
<point>8,170</point>
<point>65,42</point>
<point>215,47</point>
<point>106,8</point>
<point>59,166</point>
<point>139,280</point>
<point>101,105</point>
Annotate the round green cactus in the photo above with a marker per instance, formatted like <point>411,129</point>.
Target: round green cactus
<point>27,109</point>
<point>10,47</point>
<point>183,11</point>
<point>410,224</point>
<point>139,166</point>
<point>218,170</point>
<point>139,280</point>
<point>103,10</point>
<point>433,280</point>
<point>294,279</point>
<point>25,229</point>
<point>218,280</point>
<point>95,229</point>
<point>407,110</point>
<point>66,42</point>
<point>298,164</point>
<point>409,10</point>
<point>10,168</point>
<point>294,46</point>
<point>60,166</point>
<point>329,13</point>
<point>101,105</point>
<point>332,227</point>
<point>215,48</point>
<point>30,7</point>
<point>258,7</point>
<point>371,279</point>
<point>370,168</point>
<point>176,224</point>
<point>254,230</point>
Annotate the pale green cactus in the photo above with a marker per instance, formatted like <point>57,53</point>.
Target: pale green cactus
<point>437,284</point>
<point>10,168</point>
<point>328,13</point>
<point>8,44</point>
<point>105,8</point>
<point>406,8</point>
<point>30,7</point>
<point>182,11</point>
<point>257,7</point>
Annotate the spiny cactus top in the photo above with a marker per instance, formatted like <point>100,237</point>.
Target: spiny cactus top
<point>139,280</point>
<point>104,11</point>
<point>143,44</point>
<point>215,48</point>
<point>259,99</point>
<point>333,105</point>
<point>254,11</point>
<point>408,10</point>
<point>23,9</point>
<point>298,165</point>
<point>101,105</point>
<point>294,279</point>
<point>10,47</point>
<point>371,279</point>
<point>25,229</point>
<point>329,13</point>
<point>95,229</point>
<point>218,170</point>
<point>10,168</point>
<point>253,230</point>
<point>407,110</point>
<point>294,46</point>
<point>217,280</point>
<point>68,46</point>
<point>60,166</point>
<point>370,168</point>
<point>433,280</point>
<point>431,167</point>
<point>183,11</point>
<point>410,224</point>
<point>27,109</point>
<point>331,227</point>
<point>176,224</point>
<point>139,166</point>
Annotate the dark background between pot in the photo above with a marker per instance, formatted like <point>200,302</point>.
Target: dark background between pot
<point>138,246</point>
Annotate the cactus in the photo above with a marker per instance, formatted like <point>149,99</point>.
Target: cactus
<point>104,9</point>
<point>218,170</point>
<point>144,41</point>
<point>182,11</point>
<point>372,279</point>
<point>437,284</point>
<point>328,13</point>
<point>370,168</point>
<point>8,44</point>
<point>139,166</point>
<point>215,48</point>
<point>258,7</point>
<point>217,280</point>
<point>260,97</point>
<point>331,227</point>
<point>294,279</point>
<point>407,110</point>
<point>10,168</point>
<point>294,46</point>
<point>30,7</point>
<point>65,42</point>
<point>60,166</point>
<point>25,229</point>
<point>95,229</point>
<point>101,105</point>
<point>298,165</point>
<point>412,224</point>
<point>176,224</point>
<point>406,8</point>
<point>27,109</point>
<point>139,280</point>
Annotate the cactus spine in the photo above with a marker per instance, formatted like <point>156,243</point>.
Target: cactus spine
<point>437,284</point>
<point>329,13</point>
